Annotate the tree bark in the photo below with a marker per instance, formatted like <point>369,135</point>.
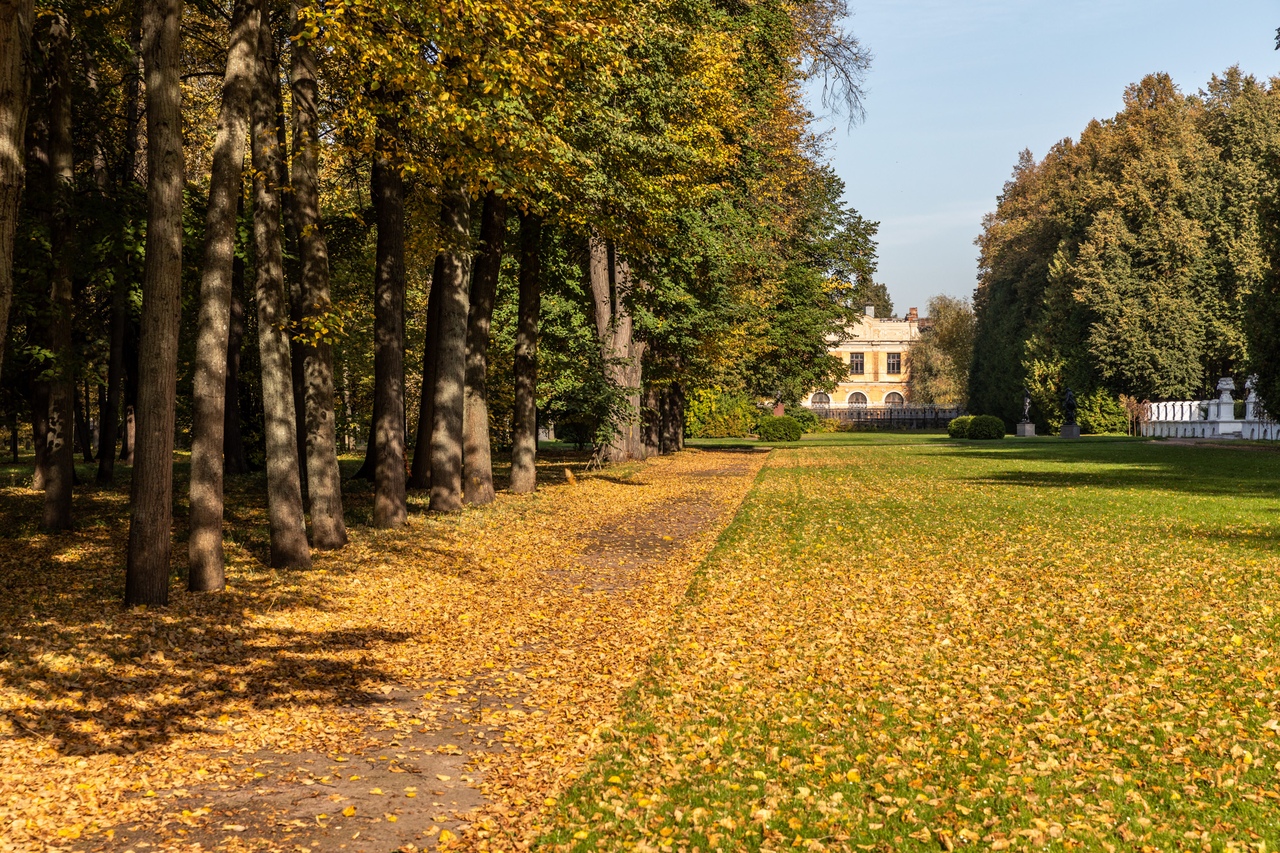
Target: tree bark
<point>451,354</point>
<point>389,505</point>
<point>16,19</point>
<point>672,418</point>
<point>61,447</point>
<point>84,429</point>
<point>324,482</point>
<point>289,548</point>
<point>651,418</point>
<point>207,572</point>
<point>420,474</point>
<point>234,459</point>
<point>110,414</point>
<point>40,433</point>
<point>610,282</point>
<point>476,460</point>
<point>151,492</point>
<point>524,436</point>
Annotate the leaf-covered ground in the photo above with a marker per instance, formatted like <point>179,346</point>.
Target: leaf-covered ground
<point>921,644</point>
<point>524,623</point>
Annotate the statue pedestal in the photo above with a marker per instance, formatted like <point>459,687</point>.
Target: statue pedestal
<point>1026,430</point>
<point>1070,431</point>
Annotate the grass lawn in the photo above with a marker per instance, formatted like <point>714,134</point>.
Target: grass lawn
<point>904,642</point>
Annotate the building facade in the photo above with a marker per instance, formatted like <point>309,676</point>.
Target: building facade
<point>874,351</point>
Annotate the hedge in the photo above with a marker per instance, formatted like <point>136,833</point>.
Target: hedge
<point>959,427</point>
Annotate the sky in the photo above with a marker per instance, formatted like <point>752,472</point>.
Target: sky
<point>958,87</point>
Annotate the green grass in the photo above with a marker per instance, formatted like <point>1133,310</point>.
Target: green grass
<point>904,642</point>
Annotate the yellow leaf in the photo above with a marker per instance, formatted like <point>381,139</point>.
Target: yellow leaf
<point>349,811</point>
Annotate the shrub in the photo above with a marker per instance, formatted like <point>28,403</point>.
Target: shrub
<point>805,417</point>
<point>985,427</point>
<point>784,428</point>
<point>715,414</point>
<point>1100,412</point>
<point>959,427</point>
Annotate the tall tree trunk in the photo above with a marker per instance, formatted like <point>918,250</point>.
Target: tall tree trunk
<point>16,19</point>
<point>289,548</point>
<point>110,411</point>
<point>476,462</point>
<point>613,325</point>
<point>672,418</point>
<point>40,433</point>
<point>61,449</point>
<point>151,492</point>
<point>420,473</point>
<point>324,482</point>
<point>451,354</point>
<point>84,430</point>
<point>524,435</point>
<point>389,505</point>
<point>369,467</point>
<point>651,418</point>
<point>234,459</point>
<point>13,434</point>
<point>207,571</point>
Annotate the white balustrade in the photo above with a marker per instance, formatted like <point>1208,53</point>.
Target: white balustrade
<point>1211,418</point>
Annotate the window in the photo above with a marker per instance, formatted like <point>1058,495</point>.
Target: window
<point>895,363</point>
<point>857,364</point>
<point>857,398</point>
<point>893,398</point>
<point>820,399</point>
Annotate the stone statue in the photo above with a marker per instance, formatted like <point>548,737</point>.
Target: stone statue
<point>1069,408</point>
<point>1026,406</point>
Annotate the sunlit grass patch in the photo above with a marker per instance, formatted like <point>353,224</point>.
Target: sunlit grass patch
<point>929,645</point>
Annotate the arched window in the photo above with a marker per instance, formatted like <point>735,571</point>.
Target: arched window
<point>893,398</point>
<point>820,399</point>
<point>857,398</point>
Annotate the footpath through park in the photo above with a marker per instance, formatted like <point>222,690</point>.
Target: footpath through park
<point>440,685</point>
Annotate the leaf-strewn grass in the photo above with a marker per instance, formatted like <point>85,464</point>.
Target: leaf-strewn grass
<point>911,643</point>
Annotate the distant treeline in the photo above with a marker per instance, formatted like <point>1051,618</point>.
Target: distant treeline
<point>1136,261</point>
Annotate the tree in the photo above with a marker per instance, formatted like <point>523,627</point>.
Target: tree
<point>487,266</point>
<point>61,450</point>
<point>451,352</point>
<point>16,20</point>
<point>289,547</point>
<point>938,373</point>
<point>389,502</point>
<point>524,449</point>
<point>324,483</point>
<point>207,564</point>
<point>151,492</point>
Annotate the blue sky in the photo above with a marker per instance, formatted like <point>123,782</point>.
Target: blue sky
<point>957,89</point>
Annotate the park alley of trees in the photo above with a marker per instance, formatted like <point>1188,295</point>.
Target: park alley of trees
<point>273,233</point>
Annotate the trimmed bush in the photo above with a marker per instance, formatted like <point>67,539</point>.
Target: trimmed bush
<point>784,428</point>
<point>959,427</point>
<point>985,427</point>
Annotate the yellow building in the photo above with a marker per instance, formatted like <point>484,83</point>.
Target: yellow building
<point>875,352</point>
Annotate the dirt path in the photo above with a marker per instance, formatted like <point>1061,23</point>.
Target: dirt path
<point>476,756</point>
